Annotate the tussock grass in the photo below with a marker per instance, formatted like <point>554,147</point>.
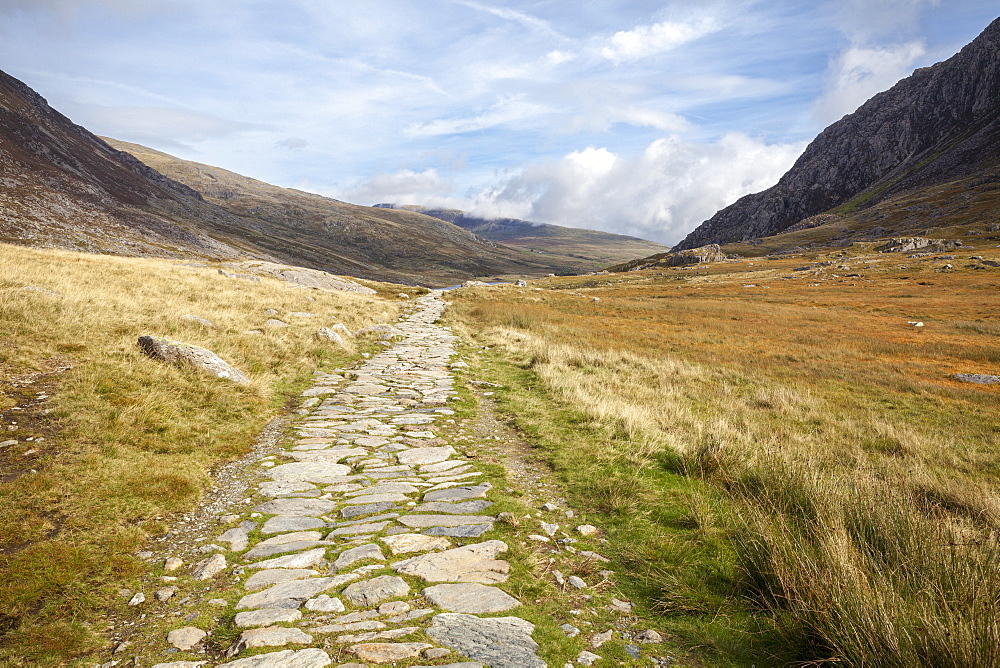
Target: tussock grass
<point>840,486</point>
<point>127,440</point>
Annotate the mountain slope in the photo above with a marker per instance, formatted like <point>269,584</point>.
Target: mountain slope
<point>369,242</point>
<point>940,124</point>
<point>585,249</point>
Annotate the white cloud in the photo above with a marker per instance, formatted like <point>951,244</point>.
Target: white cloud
<point>649,40</point>
<point>155,126</point>
<point>401,187</point>
<point>859,73</point>
<point>526,20</point>
<point>660,194</point>
<point>868,21</point>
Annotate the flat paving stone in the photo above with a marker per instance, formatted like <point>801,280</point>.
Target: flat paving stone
<point>301,560</point>
<point>307,507</point>
<point>459,493</point>
<point>425,455</point>
<point>271,636</point>
<point>372,592</point>
<point>499,642</point>
<point>467,531</point>
<point>283,523</point>
<point>371,551</point>
<point>470,597</point>
<point>366,509</point>
<point>464,507</point>
<point>385,488</point>
<point>424,521</point>
<point>471,563</point>
<point>325,455</point>
<point>318,472</point>
<point>388,652</point>
<point>271,550</point>
<point>303,658</point>
<point>278,595</point>
<point>390,497</point>
<point>273,576</point>
<point>266,617</point>
<point>359,529</point>
<point>415,542</point>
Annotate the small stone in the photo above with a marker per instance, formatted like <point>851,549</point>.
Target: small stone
<point>436,653</point>
<point>570,630</point>
<point>587,658</point>
<point>550,529</point>
<point>372,592</point>
<point>538,539</point>
<point>550,507</point>
<point>218,602</point>
<point>172,564</point>
<point>185,638</point>
<point>633,651</point>
<point>587,530</point>
<point>599,639</point>
<point>387,652</point>
<point>648,636</point>
<point>165,593</point>
<point>138,599</point>
<point>577,582</point>
<point>325,603</point>
<point>560,578</point>
<point>209,568</point>
<point>623,606</point>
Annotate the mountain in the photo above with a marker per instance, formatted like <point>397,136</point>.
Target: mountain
<point>63,187</point>
<point>937,126</point>
<point>587,250</point>
<point>368,242</point>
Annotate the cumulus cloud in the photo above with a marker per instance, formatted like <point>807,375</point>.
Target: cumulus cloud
<point>661,194</point>
<point>405,186</point>
<point>648,40</point>
<point>859,73</point>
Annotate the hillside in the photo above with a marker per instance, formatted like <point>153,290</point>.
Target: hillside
<point>939,125</point>
<point>63,187</point>
<point>586,249</point>
<point>369,242</point>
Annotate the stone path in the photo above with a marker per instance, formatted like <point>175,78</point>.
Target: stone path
<point>371,489</point>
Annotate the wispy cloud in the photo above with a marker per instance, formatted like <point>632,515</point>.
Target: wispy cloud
<point>502,113</point>
<point>648,40</point>
<point>526,20</point>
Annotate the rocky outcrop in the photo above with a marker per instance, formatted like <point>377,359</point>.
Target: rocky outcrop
<point>940,123</point>
<point>185,354</point>
<point>700,255</point>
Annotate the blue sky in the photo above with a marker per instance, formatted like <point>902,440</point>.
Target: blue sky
<point>635,116</point>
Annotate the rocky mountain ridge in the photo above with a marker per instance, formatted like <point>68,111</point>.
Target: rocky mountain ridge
<point>941,123</point>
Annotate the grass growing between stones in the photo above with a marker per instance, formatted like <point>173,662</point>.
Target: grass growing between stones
<point>784,464</point>
<point>110,442</point>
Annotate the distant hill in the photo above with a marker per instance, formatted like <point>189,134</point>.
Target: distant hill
<point>312,230</point>
<point>63,187</point>
<point>587,250</point>
<point>939,126</point>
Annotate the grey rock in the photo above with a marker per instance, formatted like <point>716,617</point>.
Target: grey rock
<point>138,599</point>
<point>317,472</point>
<point>648,636</point>
<point>273,576</point>
<point>387,652</point>
<point>587,658</point>
<point>425,455</point>
<point>499,642</point>
<point>356,554</point>
<point>372,592</point>
<point>186,638</point>
<point>423,521</point>
<point>271,636</point>
<point>294,561</point>
<point>599,639</point>
<point>978,378</point>
<point>198,319</point>
<point>464,508</point>
<point>278,595</point>
<point>633,651</point>
<point>325,603</point>
<point>163,594</point>
<point>570,630</point>
<point>283,523</point>
<point>471,563</point>
<point>271,550</point>
<point>470,597</point>
<point>209,568</point>
<point>274,322</point>
<point>415,542</point>
<point>303,658</point>
<point>366,509</point>
<point>467,531</point>
<point>185,354</point>
<point>238,537</point>
<point>577,582</point>
<point>357,529</point>
<point>330,335</point>
<point>266,617</point>
<point>306,507</point>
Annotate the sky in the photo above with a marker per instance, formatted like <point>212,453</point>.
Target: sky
<point>640,117</point>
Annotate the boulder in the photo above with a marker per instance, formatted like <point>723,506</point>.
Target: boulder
<point>700,255</point>
<point>185,354</point>
<point>330,335</point>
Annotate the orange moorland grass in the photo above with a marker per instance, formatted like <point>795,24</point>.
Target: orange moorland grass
<point>109,442</point>
<point>857,476</point>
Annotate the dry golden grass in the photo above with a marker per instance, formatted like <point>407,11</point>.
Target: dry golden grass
<point>859,476</point>
<point>127,440</point>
